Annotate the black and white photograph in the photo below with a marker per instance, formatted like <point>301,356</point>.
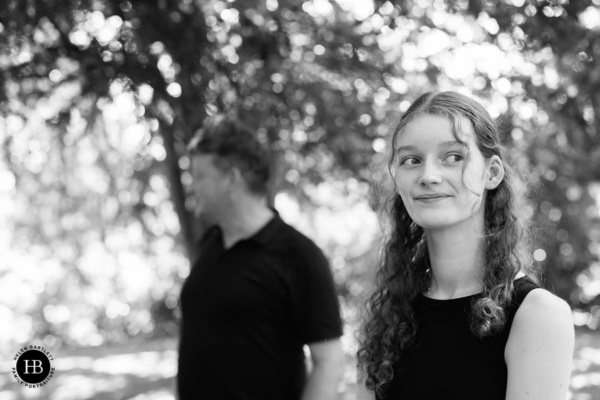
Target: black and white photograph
<point>300,200</point>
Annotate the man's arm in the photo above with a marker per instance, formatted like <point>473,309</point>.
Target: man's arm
<point>328,367</point>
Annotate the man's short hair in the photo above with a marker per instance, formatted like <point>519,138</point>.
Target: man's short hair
<point>234,146</point>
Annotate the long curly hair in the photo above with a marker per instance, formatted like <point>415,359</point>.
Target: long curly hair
<point>403,271</point>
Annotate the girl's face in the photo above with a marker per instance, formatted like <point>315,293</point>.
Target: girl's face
<point>442,182</point>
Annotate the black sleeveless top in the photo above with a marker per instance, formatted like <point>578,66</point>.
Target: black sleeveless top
<point>447,361</point>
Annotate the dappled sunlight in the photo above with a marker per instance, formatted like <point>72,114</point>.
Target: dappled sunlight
<point>361,9</point>
<point>87,228</point>
<point>585,378</point>
<point>342,222</point>
<point>161,394</point>
<point>149,365</point>
<point>79,386</point>
<point>98,106</point>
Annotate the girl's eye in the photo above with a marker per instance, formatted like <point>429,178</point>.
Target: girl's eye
<point>409,161</point>
<point>455,158</point>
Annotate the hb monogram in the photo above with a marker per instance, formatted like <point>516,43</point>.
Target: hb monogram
<point>36,366</point>
<point>33,367</point>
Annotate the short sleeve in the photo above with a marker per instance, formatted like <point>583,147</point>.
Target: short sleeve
<point>316,304</point>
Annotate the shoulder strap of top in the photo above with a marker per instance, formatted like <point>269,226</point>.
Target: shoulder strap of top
<point>523,286</point>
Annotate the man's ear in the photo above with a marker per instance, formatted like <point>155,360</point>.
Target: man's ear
<point>235,177</point>
<point>494,173</point>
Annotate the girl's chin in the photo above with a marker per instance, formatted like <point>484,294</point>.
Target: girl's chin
<point>436,226</point>
<point>437,222</point>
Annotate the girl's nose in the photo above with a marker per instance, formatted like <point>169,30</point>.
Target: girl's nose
<point>431,175</point>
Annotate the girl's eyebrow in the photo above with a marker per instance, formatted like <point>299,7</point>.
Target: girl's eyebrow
<point>405,148</point>
<point>443,144</point>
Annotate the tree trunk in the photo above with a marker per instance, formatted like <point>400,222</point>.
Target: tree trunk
<point>173,172</point>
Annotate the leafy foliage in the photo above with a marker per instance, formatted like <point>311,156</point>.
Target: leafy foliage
<point>101,96</point>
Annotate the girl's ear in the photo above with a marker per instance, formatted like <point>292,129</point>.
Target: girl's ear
<point>494,173</point>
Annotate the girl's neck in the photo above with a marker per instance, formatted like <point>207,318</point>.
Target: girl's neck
<point>457,260</point>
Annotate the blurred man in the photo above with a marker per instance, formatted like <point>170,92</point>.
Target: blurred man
<point>259,290</point>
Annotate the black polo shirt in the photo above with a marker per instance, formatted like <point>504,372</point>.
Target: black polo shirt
<point>247,312</point>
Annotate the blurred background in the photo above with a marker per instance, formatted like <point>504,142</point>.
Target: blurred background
<point>99,98</point>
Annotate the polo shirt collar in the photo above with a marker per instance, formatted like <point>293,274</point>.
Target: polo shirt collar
<point>270,231</point>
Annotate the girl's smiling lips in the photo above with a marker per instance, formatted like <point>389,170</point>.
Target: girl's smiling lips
<point>431,197</point>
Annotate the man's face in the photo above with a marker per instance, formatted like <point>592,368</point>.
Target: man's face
<point>211,187</point>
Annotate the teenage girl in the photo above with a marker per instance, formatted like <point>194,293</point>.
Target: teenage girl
<point>458,313</point>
